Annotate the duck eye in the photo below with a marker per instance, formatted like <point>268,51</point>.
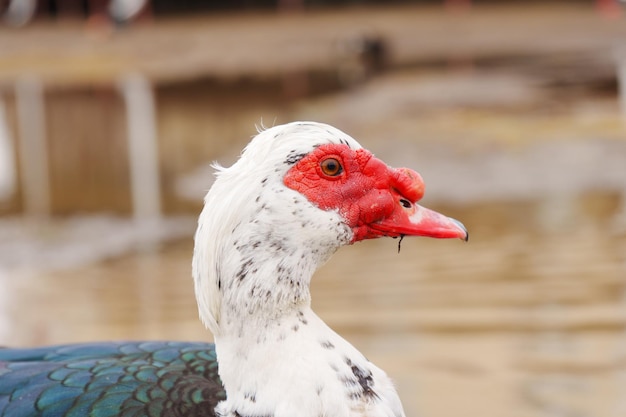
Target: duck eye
<point>331,167</point>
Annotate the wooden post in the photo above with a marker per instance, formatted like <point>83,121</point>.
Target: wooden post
<point>142,148</point>
<point>32,146</point>
<point>8,175</point>
<point>620,57</point>
<point>621,80</point>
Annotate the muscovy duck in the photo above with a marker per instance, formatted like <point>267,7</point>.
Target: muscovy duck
<point>298,192</point>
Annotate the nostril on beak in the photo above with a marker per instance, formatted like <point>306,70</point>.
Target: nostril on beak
<point>405,203</point>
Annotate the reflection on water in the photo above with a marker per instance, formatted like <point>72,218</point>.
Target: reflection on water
<point>533,320</point>
<point>146,296</point>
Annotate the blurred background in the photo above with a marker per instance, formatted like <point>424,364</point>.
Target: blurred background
<point>513,112</point>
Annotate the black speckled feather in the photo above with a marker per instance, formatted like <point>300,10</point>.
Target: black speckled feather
<point>126,379</point>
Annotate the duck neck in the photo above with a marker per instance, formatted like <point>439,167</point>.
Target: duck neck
<point>270,282</point>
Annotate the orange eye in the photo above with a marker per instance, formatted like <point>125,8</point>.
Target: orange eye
<point>331,167</point>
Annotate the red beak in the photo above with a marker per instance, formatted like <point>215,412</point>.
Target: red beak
<point>414,220</point>
<point>410,219</point>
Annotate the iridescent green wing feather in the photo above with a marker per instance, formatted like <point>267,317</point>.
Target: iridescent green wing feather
<point>110,379</point>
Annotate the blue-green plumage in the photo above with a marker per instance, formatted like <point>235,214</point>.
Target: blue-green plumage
<point>127,379</point>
